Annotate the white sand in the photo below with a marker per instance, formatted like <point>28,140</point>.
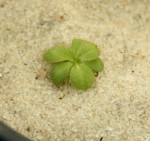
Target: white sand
<point>116,108</point>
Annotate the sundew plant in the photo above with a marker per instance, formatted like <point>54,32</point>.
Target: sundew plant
<point>77,63</point>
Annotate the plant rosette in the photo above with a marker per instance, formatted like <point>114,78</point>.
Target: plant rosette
<point>77,63</point>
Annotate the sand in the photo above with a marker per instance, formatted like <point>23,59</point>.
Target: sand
<point>116,108</point>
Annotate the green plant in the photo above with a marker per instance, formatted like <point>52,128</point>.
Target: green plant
<point>77,63</point>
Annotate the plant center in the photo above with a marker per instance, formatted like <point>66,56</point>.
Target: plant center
<point>76,61</point>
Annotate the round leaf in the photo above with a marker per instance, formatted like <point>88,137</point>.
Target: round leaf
<point>60,72</point>
<point>58,54</point>
<point>84,50</point>
<point>81,76</point>
<point>96,65</point>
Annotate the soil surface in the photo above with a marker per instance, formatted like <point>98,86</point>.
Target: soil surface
<point>116,108</point>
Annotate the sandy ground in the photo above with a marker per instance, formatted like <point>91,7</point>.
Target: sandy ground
<point>116,108</point>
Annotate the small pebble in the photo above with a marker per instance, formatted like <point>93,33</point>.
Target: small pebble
<point>1,75</point>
